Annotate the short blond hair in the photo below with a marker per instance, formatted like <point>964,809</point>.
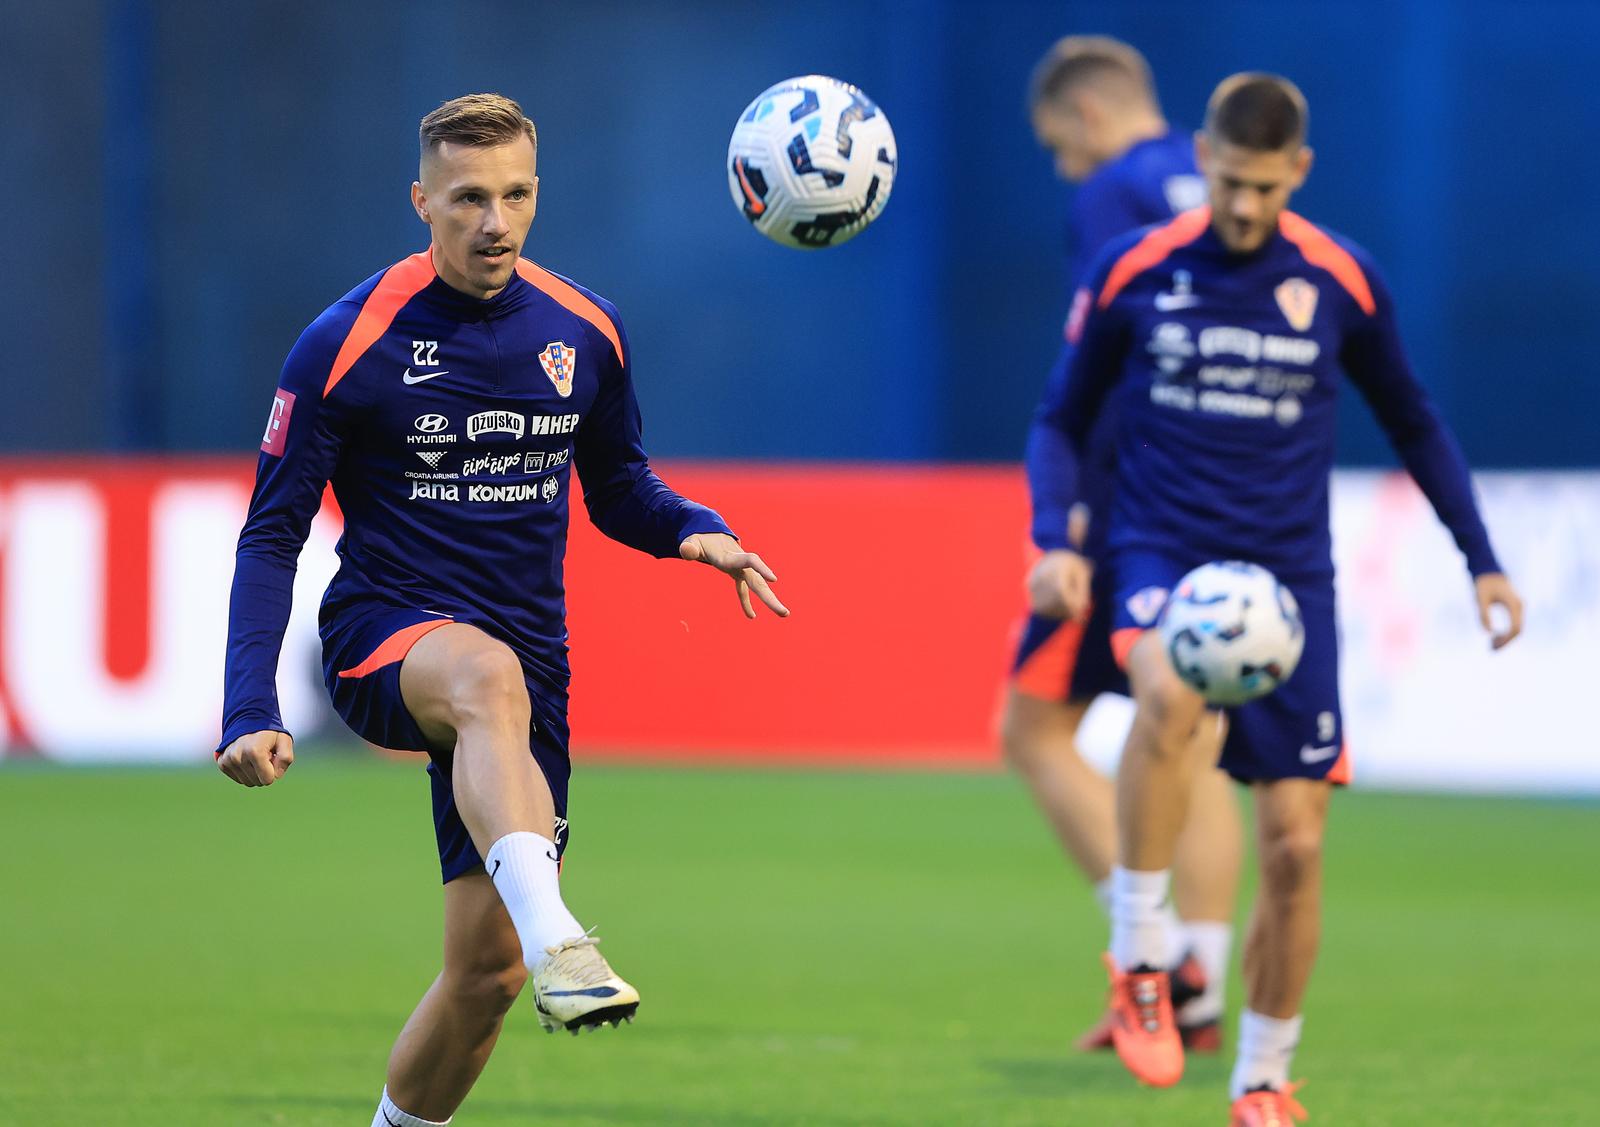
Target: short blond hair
<point>1078,61</point>
<point>476,119</point>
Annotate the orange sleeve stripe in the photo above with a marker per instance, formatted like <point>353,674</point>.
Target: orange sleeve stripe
<point>395,647</point>
<point>541,279</point>
<point>399,284</point>
<point>1152,249</point>
<point>1320,250</point>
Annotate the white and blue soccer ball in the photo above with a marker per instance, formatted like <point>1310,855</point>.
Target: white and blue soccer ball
<point>811,162</point>
<point>1232,631</point>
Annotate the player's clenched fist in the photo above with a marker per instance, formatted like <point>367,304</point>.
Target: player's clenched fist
<point>1058,585</point>
<point>258,759</point>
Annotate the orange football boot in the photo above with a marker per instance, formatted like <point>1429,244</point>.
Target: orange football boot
<point>1143,1029</point>
<point>1267,1107</point>
<point>1188,983</point>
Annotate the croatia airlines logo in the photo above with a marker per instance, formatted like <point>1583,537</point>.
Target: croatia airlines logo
<point>277,432</point>
<point>559,360</point>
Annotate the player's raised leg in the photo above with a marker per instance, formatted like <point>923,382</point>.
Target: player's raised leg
<point>466,691</point>
<point>450,1034</point>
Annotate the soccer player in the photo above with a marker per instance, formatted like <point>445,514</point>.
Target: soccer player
<point>1225,440</point>
<point>1094,105</point>
<point>448,398</point>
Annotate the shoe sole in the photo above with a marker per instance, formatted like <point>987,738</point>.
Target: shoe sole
<point>613,1016</point>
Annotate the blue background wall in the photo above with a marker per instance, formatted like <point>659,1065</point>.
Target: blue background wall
<point>190,183</point>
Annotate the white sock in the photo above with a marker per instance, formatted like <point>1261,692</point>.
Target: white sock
<point>1138,927</point>
<point>1211,942</point>
<point>1102,893</point>
<point>1266,1047</point>
<point>1177,942</point>
<point>391,1116</point>
<point>523,868</point>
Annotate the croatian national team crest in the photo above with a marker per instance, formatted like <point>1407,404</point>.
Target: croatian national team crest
<point>1145,604</point>
<point>1298,300</point>
<point>560,359</point>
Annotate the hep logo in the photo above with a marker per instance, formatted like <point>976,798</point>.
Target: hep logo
<point>276,436</point>
<point>430,424</point>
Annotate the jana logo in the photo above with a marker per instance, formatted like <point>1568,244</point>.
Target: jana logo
<point>431,424</point>
<point>559,360</point>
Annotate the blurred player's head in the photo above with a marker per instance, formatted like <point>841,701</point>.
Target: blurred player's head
<point>477,189</point>
<point>1091,98</point>
<point>1253,155</point>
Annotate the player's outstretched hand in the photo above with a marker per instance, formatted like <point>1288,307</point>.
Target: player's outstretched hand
<point>258,759</point>
<point>1058,585</point>
<point>1495,590</point>
<point>748,570</point>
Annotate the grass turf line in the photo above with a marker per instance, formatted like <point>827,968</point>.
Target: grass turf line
<point>812,948</point>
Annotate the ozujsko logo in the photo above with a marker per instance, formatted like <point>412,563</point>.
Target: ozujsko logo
<point>495,422</point>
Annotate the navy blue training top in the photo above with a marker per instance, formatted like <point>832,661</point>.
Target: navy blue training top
<point>1224,370</point>
<point>449,428</point>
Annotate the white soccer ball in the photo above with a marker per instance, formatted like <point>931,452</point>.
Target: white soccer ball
<point>811,162</point>
<point>1232,631</point>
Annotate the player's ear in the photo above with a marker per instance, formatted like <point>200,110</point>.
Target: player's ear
<point>1202,151</point>
<point>1302,165</point>
<point>419,202</point>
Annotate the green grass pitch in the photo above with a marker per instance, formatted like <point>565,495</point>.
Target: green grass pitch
<point>812,948</point>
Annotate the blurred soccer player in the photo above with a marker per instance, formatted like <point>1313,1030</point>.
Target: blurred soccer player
<point>1225,441</point>
<point>448,398</point>
<point>1094,104</point>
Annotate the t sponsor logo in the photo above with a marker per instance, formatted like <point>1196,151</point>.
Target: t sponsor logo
<point>495,422</point>
<point>276,436</point>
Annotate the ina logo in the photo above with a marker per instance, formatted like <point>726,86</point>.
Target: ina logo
<point>559,359</point>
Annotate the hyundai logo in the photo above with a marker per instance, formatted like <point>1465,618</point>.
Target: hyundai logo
<point>432,424</point>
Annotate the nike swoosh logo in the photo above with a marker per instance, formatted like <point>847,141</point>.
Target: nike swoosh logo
<point>1167,302</point>
<point>591,992</point>
<point>552,856</point>
<point>1309,754</point>
<point>496,868</point>
<point>409,378</point>
<point>389,1121</point>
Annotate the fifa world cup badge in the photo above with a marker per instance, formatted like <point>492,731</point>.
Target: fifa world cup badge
<point>559,359</point>
<point>1298,300</point>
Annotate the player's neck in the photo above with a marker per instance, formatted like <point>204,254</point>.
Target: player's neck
<point>1137,127</point>
<point>450,278</point>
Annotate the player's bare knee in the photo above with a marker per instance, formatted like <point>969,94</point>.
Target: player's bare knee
<point>1290,858</point>
<point>487,683</point>
<point>488,986</point>
<point>1019,735</point>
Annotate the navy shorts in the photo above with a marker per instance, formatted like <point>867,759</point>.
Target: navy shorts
<point>1060,660</point>
<point>1294,732</point>
<point>362,649</point>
